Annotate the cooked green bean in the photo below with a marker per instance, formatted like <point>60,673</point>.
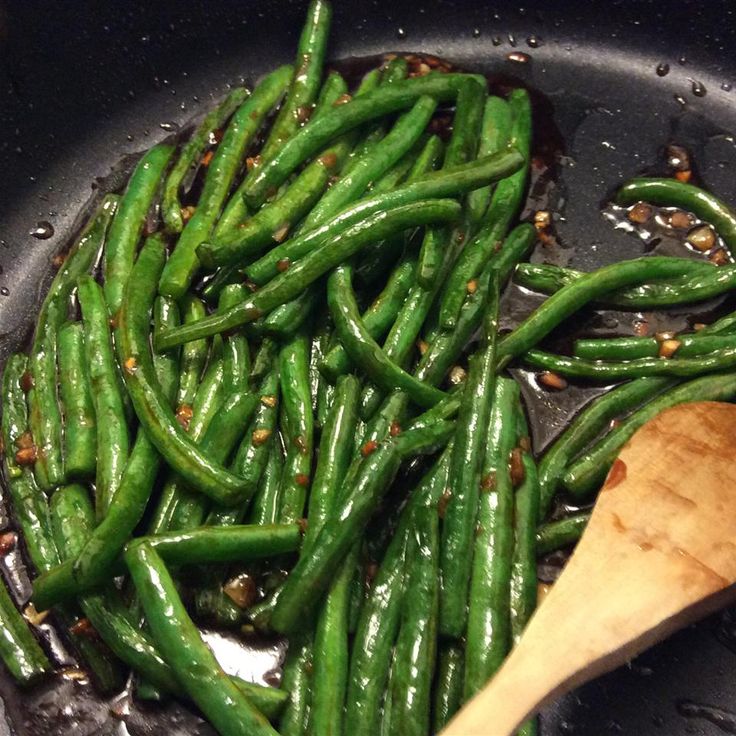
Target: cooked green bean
<point>416,645</point>
<point>377,319</point>
<point>562,533</point>
<point>363,349</point>
<point>632,348</point>
<point>703,281</point>
<point>584,476</point>
<point>307,270</point>
<point>189,156</point>
<point>586,427</point>
<point>316,134</point>
<point>178,449</point>
<point>432,184</point>
<point>127,224</point>
<point>80,432</point>
<point>221,172</point>
<point>458,528</point>
<point>505,202</point>
<point>286,320</point>
<point>488,637</point>
<point>181,645</point>
<point>568,300</point>
<point>673,193</point>
<point>45,417</point>
<point>266,506</point>
<point>448,684</point>
<point>298,427</point>
<point>236,352</point>
<point>112,429</point>
<point>598,370</point>
<point>297,679</point>
<point>193,354</point>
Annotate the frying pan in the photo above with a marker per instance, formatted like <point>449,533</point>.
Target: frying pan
<point>83,84</point>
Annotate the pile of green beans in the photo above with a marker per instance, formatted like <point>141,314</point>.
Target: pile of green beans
<point>283,402</point>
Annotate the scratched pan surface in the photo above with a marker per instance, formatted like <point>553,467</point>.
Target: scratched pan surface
<point>83,84</point>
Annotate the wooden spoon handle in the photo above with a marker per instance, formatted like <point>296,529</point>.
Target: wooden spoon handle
<point>657,553</point>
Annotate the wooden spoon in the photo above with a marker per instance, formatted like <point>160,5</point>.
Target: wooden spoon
<point>659,552</point>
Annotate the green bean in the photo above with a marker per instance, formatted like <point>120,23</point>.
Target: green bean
<point>330,658</point>
<point>336,448</point>
<point>45,417</point>
<point>19,649</point>
<point>448,685</point>
<point>363,349</point>
<point>402,136</point>
<point>379,620</point>
<point>673,193</point>
<point>571,298</point>
<point>189,156</point>
<point>703,281</point>
<point>178,449</point>
<point>416,646</point>
<point>632,348</point>
<point>321,339</point>
<point>447,183</point>
<point>494,136</point>
<point>266,506</point>
<point>488,637</point>
<point>462,148</point>
<point>112,430</point>
<point>80,433</point>
<point>181,645</point>
<point>236,358</point>
<point>298,427</point>
<point>458,528</point>
<point>584,476</point>
<point>127,224</point>
<point>377,319</point>
<point>286,320</point>
<point>264,360</point>
<point>445,409</point>
<point>586,427</point>
<point>315,134</point>
<point>505,202</point>
<point>272,223</point>
<point>598,370</point>
<point>397,174</point>
<point>561,533</point>
<point>297,679</point>
<point>193,354</point>
<point>307,270</point>
<point>526,512</point>
<point>221,173</point>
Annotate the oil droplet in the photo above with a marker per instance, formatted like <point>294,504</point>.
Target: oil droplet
<point>496,40</point>
<point>682,61</point>
<point>698,88</point>
<point>4,291</point>
<point>512,40</point>
<point>727,86</point>
<point>401,33</point>
<point>476,32</point>
<point>533,42</point>
<point>519,57</point>
<point>663,69</point>
<point>169,126</point>
<point>43,230</point>
<point>725,720</point>
<point>680,100</point>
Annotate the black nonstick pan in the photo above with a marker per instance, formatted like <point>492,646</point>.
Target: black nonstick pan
<point>84,83</point>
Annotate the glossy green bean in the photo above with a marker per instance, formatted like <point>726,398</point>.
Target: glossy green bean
<point>584,476</point>
<point>297,679</point>
<point>377,319</point>
<point>178,449</point>
<point>236,351</point>
<point>190,154</point>
<point>458,528</point>
<point>180,643</point>
<point>112,430</point>
<point>446,183</point>
<point>448,684</point>
<point>78,411</point>
<point>416,645</point>
<point>286,320</point>
<point>127,224</point>
<point>703,281</point>
<point>561,533</point>
<point>571,298</point>
<point>363,349</point>
<point>488,637</point>
<point>221,173</point>
<point>598,370</point>
<point>507,197</point>
<point>586,427</point>
<point>45,417</point>
<point>316,134</point>
<point>633,348</point>
<point>266,506</point>
<point>673,193</point>
<point>193,354</point>
<point>307,270</point>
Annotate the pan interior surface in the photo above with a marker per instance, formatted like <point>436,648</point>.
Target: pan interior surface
<point>617,81</point>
